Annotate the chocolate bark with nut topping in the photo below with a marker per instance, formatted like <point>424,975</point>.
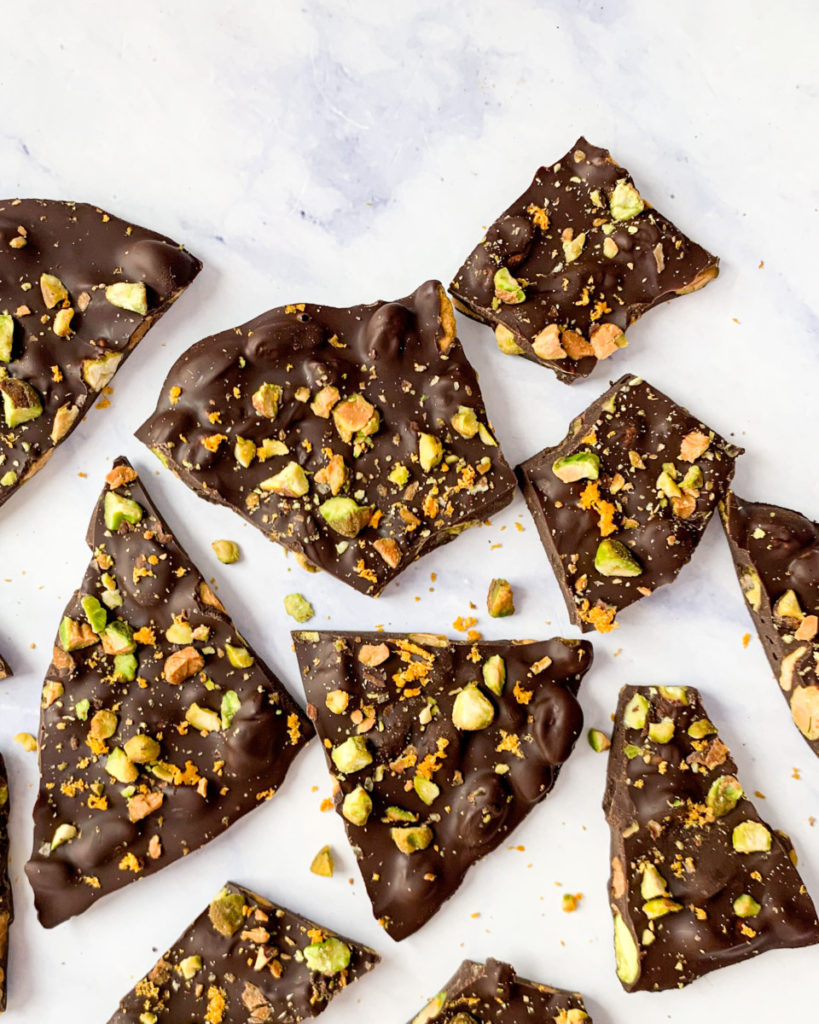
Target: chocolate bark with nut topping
<point>246,961</point>
<point>574,262</point>
<point>160,726</point>
<point>776,555</point>
<point>698,880</point>
<point>492,993</point>
<point>5,671</point>
<point>622,502</point>
<point>6,901</point>
<point>356,438</point>
<point>78,290</point>
<point>438,750</point>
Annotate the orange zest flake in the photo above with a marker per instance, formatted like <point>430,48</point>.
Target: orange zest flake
<point>316,934</point>
<point>215,416</point>
<point>130,862</point>
<point>145,635</point>
<point>217,1001</point>
<point>463,624</point>
<point>140,571</point>
<point>430,506</point>
<point>174,393</point>
<point>433,761</point>
<point>510,744</point>
<point>746,639</point>
<point>212,441</point>
<point>540,218</point>
<point>600,616</point>
<point>599,309</point>
<point>466,479</point>
<point>72,787</point>
<point>407,760</point>
<point>98,803</point>
<point>294,728</point>
<point>590,494</point>
<point>189,777</point>
<point>590,499</point>
<point>298,307</point>
<point>365,573</point>
<point>522,696</point>
<point>326,805</point>
<point>266,794</point>
<point>98,746</point>
<point>590,438</point>
<point>56,374</point>
<point>376,518</point>
<point>91,880</point>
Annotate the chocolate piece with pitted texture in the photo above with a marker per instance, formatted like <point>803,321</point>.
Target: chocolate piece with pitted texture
<point>356,438</point>
<point>574,262</point>
<point>6,901</point>
<point>698,880</point>
<point>776,554</point>
<point>78,290</point>
<point>438,750</point>
<point>246,961</point>
<point>492,993</point>
<point>160,726</point>
<point>622,502</point>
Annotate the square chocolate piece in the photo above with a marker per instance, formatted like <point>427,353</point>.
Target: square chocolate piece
<point>622,502</point>
<point>574,262</point>
<point>438,750</point>
<point>356,438</point>
<point>776,555</point>
<point>698,880</point>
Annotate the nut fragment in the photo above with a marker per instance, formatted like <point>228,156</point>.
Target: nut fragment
<point>323,863</point>
<point>751,837</point>
<point>226,912</point>
<point>53,290</point>
<point>546,343</point>
<point>413,839</point>
<point>805,711</point>
<point>472,710</point>
<point>329,957</point>
<point>500,601</point>
<point>298,607</point>
<point>357,806</point>
<point>352,755</point>
<point>130,295</point>
<point>613,558</point>
<point>182,664</point>
<point>227,551</point>
<point>266,400</point>
<point>507,287</point>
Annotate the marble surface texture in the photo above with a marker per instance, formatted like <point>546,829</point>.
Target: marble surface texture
<point>338,152</point>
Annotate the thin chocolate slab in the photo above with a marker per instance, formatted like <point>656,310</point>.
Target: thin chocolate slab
<point>160,725</point>
<point>622,502</point>
<point>492,993</point>
<point>6,900</point>
<point>776,555</point>
<point>699,881</point>
<point>356,438</point>
<point>438,750</point>
<point>5,671</point>
<point>79,288</point>
<point>574,262</point>
<point>246,961</point>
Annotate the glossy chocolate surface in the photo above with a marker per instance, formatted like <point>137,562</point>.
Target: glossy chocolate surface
<point>624,266</point>
<point>255,975</point>
<point>403,358</point>
<point>397,693</point>
<point>661,807</point>
<point>6,901</point>
<point>86,249</point>
<point>199,780</point>
<point>492,993</point>
<point>636,433</point>
<point>776,555</point>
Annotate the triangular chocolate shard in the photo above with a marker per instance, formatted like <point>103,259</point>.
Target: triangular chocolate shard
<point>78,290</point>
<point>6,901</point>
<point>698,880</point>
<point>159,727</point>
<point>776,555</point>
<point>5,671</point>
<point>492,992</point>
<point>246,961</point>
<point>439,748</point>
<point>356,438</point>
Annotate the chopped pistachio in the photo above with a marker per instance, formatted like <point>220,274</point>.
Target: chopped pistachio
<point>636,712</point>
<point>231,703</point>
<point>239,657</point>
<point>357,806</point>
<point>118,509</point>
<point>323,864</point>
<point>500,600</point>
<point>751,837</point>
<point>130,295</point>
<point>494,674</point>
<point>328,957</point>
<point>430,451</point>
<point>411,840</point>
<point>598,740</point>
<point>352,755</point>
<point>227,551</point>
<point>298,607</point>
<point>584,465</point>
<point>613,558</point>
<point>472,710</point>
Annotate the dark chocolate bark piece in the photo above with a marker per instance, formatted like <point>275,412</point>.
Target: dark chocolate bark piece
<point>6,901</point>
<point>246,961</point>
<point>622,502</point>
<point>356,438</point>
<point>574,262</point>
<point>699,881</point>
<point>438,749</point>
<point>5,671</point>
<point>160,726</point>
<point>776,554</point>
<point>78,290</point>
<point>492,992</point>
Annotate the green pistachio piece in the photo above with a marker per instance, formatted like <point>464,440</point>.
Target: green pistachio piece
<point>636,712</point>
<point>130,295</point>
<point>63,834</point>
<point>662,731</point>
<point>53,290</point>
<point>118,638</point>
<point>6,337</point>
<point>94,612</point>
<point>395,813</point>
<point>203,719</point>
<point>598,741</point>
<point>344,516</point>
<point>323,863</point>
<point>614,559</point>
<point>239,657</point>
<point>179,632</point>
<point>266,400</point>
<point>227,551</point>
<point>430,451</point>
<point>125,667</point>
<point>494,674</point>
<point>141,749</point>
<point>675,694</point>
<point>329,957</point>
<point>398,475</point>
<point>291,482</point>
<point>693,479</point>
<point>121,767</point>
<point>230,705</point>
<point>118,509</point>
<point>746,906</point>
<point>21,402</point>
<point>500,600</point>
<point>751,837</point>
<point>104,724</point>
<point>53,690</point>
<point>244,451</point>
<point>298,607</point>
<point>507,287</point>
<point>751,587</point>
<point>659,907</point>
<point>472,710</point>
<point>486,437</point>
<point>74,636</point>
<point>573,247</point>
<point>465,422</point>
<point>431,1010</point>
<point>427,790</point>
<point>352,755</point>
<point>506,341</point>
<point>357,806</point>
<point>626,952</point>
<point>723,796</point>
<point>652,884</point>
<point>355,417</point>
<point>667,486</point>
<point>625,201</point>
<point>701,728</point>
<point>411,840</point>
<point>97,373</point>
<point>583,465</point>
<point>788,607</point>
<point>631,751</point>
<point>226,912</point>
<point>8,479</point>
<point>190,966</point>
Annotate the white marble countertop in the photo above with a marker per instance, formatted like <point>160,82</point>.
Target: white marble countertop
<point>340,152</point>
